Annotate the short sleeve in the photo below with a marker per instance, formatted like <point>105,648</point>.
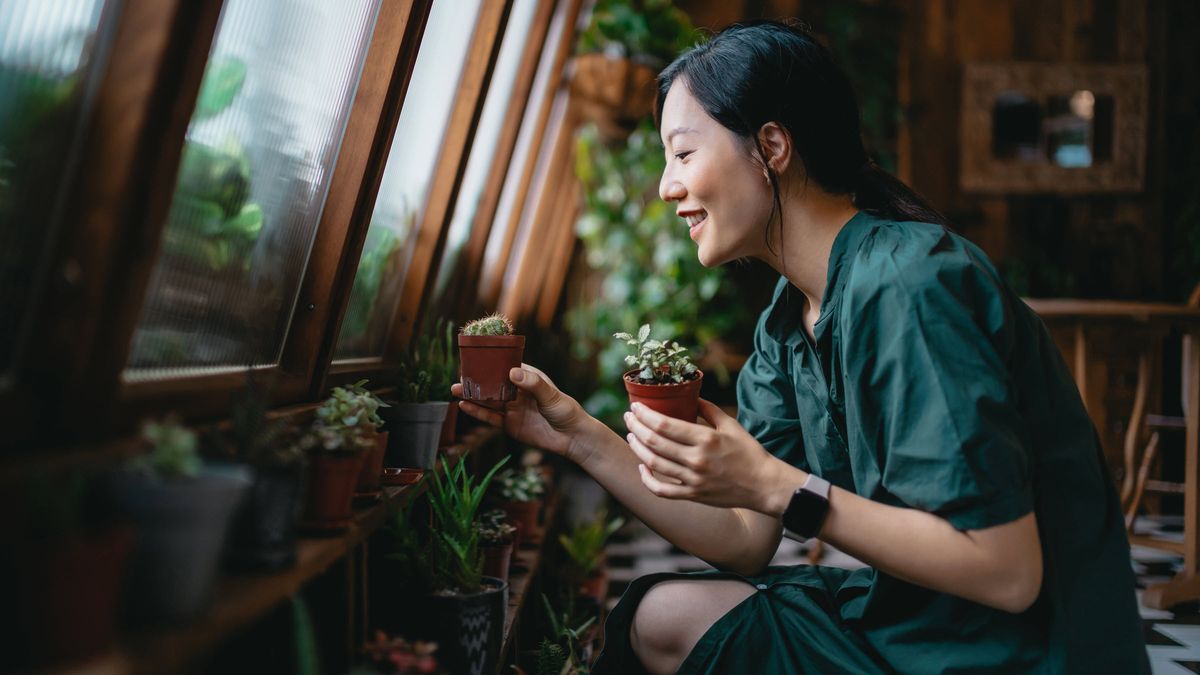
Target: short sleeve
<point>928,387</point>
<point>766,400</point>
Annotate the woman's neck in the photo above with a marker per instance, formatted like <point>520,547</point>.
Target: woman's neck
<point>811,223</point>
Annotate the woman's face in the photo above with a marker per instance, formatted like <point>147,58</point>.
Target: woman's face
<point>719,189</point>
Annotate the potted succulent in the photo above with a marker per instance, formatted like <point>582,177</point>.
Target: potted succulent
<point>342,435</point>
<point>182,508</point>
<point>663,377</point>
<point>418,416</point>
<point>496,542</point>
<point>522,491</point>
<point>487,350</point>
<point>566,651</point>
<point>264,528</point>
<point>67,563</point>
<point>465,610</point>
<point>585,549</point>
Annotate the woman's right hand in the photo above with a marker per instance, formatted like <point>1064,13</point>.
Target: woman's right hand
<point>541,415</point>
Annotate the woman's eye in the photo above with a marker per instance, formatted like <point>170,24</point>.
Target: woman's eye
<point>682,155</point>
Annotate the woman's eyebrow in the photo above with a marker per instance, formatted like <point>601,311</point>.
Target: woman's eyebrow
<point>678,130</point>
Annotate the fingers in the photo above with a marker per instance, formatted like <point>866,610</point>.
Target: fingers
<point>534,382</point>
<point>456,389</point>
<point>713,414</point>
<point>658,463</point>
<point>683,433</point>
<point>656,443</point>
<point>488,415</point>
<point>661,489</point>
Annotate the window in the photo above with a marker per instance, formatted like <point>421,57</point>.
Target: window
<point>51,54</point>
<point>253,177</point>
<point>406,179</point>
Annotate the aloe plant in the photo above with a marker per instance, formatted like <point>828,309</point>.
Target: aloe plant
<point>495,324</point>
<point>585,544</point>
<point>454,498</point>
<point>658,361</point>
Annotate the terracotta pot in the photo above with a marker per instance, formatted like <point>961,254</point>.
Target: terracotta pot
<point>449,425</point>
<point>332,476</point>
<point>372,465</point>
<point>485,361</point>
<point>596,585</point>
<point>524,516</point>
<point>681,401</point>
<point>68,595</point>
<point>497,560</point>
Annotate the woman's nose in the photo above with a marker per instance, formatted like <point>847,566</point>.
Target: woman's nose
<point>671,190</point>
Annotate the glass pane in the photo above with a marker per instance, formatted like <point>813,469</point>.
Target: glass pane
<point>253,177</point>
<point>484,148</point>
<point>51,56</point>
<point>406,179</point>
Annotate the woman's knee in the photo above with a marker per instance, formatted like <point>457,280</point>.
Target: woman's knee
<point>673,615</point>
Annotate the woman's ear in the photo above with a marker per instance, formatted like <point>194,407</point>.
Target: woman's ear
<point>776,145</point>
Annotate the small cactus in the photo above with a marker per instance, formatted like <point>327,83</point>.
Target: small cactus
<point>496,324</point>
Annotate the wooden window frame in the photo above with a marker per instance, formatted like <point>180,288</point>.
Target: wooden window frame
<point>491,279</point>
<point>562,249</point>
<point>429,237</point>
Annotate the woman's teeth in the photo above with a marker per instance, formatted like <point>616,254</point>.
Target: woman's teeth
<point>695,219</point>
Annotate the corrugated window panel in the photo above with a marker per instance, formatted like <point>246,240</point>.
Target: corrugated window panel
<point>406,180</point>
<point>495,108</point>
<point>254,173</point>
<point>52,54</point>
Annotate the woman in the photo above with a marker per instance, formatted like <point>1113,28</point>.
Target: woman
<point>946,444</point>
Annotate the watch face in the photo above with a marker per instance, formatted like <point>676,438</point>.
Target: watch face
<point>805,513</point>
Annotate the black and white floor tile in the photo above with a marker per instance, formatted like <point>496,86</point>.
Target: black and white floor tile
<point>1172,637</point>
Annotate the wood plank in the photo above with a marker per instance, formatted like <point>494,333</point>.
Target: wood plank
<point>447,178</point>
<point>563,254</point>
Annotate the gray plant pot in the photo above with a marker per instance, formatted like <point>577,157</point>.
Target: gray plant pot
<point>415,429</point>
<point>181,529</point>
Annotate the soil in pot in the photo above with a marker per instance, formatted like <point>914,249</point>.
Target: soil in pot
<point>264,528</point>
<point>485,361</point>
<point>468,628</point>
<point>415,428</point>
<point>331,480</point>
<point>681,401</point>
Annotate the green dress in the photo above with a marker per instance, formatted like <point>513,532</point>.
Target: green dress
<point>930,385</point>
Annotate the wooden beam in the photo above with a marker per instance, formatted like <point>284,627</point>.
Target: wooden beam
<point>562,252</point>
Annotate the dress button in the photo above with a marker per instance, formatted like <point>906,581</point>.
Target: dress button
<point>761,587</point>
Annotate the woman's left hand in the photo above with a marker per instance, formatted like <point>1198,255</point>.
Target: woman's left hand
<point>720,465</point>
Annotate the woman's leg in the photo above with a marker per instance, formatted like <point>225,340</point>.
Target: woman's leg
<point>673,615</point>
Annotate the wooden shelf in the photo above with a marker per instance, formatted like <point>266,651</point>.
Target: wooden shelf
<point>519,584</point>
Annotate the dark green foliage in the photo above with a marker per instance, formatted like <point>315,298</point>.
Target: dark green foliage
<point>430,366</point>
<point>649,31</point>
<point>455,563</point>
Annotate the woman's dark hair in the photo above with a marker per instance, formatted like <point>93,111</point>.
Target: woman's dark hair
<point>762,71</point>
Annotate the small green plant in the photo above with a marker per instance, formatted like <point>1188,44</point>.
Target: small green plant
<point>658,361</point>
<point>585,544</point>
<point>493,531</point>
<point>172,453</point>
<point>561,654</point>
<point>430,366</point>
<point>347,416</point>
<point>495,324</point>
<point>454,497</point>
<point>521,485</point>
<point>252,436</point>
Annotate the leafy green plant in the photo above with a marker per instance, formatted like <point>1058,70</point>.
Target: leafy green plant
<point>521,485</point>
<point>657,361</point>
<point>429,367</point>
<point>648,31</point>
<point>252,436</point>
<point>646,267</point>
<point>379,250</point>
<point>585,544</point>
<point>560,654</point>
<point>173,450</point>
<point>495,324</point>
<point>346,418</point>
<point>493,531</point>
<point>223,80</point>
<point>454,498</point>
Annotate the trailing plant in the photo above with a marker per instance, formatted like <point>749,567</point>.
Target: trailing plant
<point>429,367</point>
<point>646,266</point>
<point>454,498</point>
<point>521,485</point>
<point>494,324</point>
<point>173,450</point>
<point>346,418</point>
<point>657,361</point>
<point>585,544</point>
<point>493,531</point>
<point>648,31</point>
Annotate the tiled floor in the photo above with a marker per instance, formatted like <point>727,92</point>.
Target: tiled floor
<point>1173,638</point>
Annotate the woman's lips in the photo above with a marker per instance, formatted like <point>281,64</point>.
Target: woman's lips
<point>694,228</point>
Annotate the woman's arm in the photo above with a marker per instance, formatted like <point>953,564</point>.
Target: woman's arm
<point>1000,566</point>
<point>736,539</point>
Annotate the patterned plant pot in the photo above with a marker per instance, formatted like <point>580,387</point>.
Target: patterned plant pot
<point>468,628</point>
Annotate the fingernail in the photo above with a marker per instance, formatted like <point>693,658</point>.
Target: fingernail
<point>518,376</point>
<point>637,407</point>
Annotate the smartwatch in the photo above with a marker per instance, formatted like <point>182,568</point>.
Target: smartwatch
<point>806,512</point>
